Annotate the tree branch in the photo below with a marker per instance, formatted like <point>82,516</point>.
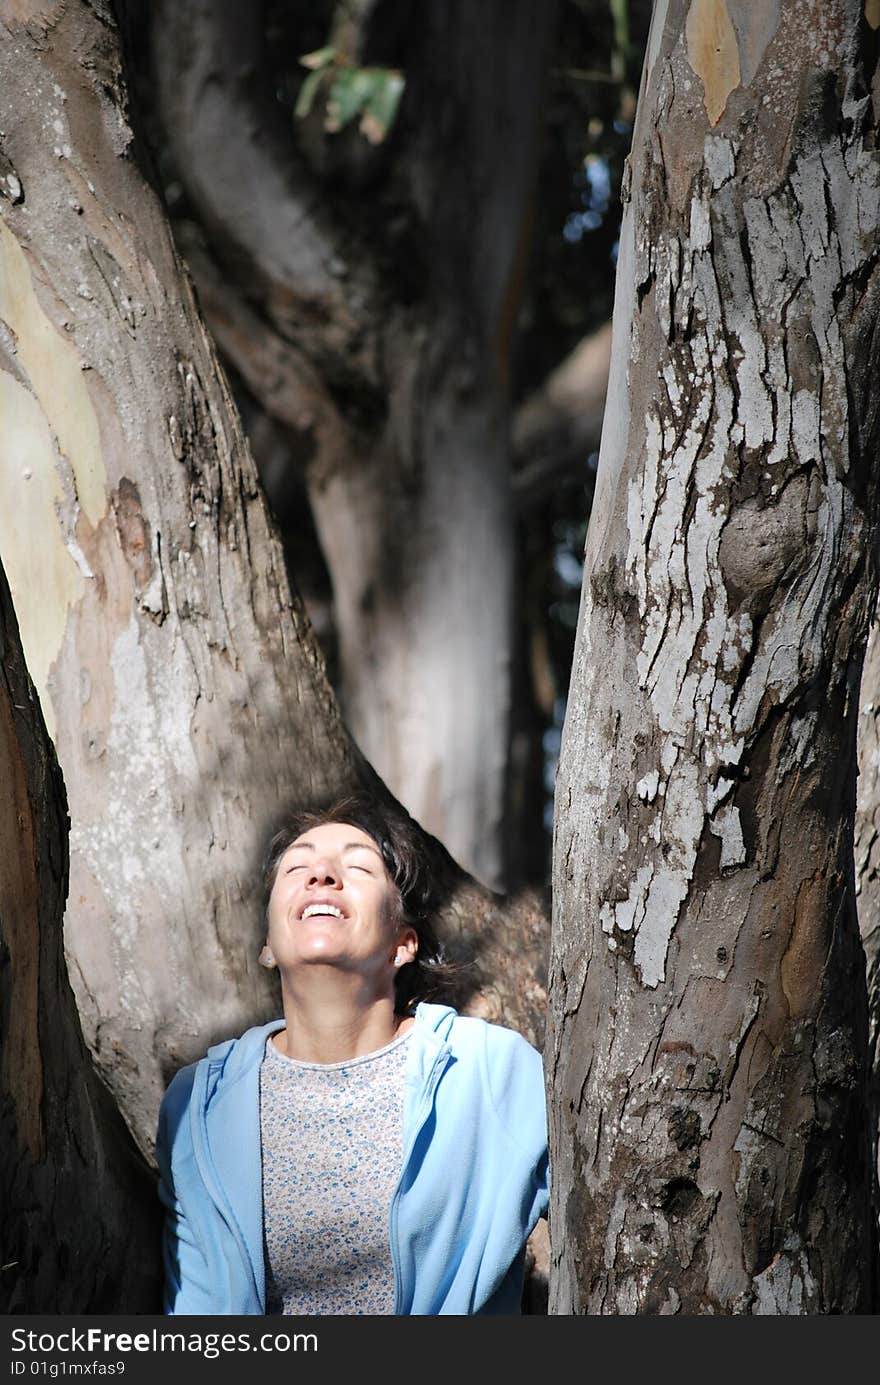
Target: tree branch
<point>557,427</point>
<point>260,203</point>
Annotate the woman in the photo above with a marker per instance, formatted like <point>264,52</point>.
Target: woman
<point>370,1152</point>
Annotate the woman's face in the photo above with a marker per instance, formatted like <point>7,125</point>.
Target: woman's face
<point>333,903</point>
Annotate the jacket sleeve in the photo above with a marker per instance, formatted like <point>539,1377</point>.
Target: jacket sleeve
<point>187,1278</point>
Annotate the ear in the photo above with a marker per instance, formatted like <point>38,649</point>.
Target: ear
<point>407,946</point>
<point>266,957</point>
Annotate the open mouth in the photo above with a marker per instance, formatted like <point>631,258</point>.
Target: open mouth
<point>321,911</point>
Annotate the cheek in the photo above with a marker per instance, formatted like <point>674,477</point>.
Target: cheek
<point>276,906</point>
<point>392,909</point>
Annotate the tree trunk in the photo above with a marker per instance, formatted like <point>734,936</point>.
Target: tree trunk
<point>380,336</point>
<point>558,426</point>
<point>867,859</point>
<point>80,1222</point>
<point>177,673</point>
<point>706,1061</point>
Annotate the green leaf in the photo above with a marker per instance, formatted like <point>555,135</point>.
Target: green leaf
<point>371,92</point>
<point>382,103</point>
<point>348,95</point>
<point>307,93</point>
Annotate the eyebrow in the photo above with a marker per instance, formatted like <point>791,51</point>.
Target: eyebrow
<point>349,846</point>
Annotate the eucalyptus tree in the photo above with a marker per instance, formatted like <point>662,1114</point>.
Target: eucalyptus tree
<point>867,864</point>
<point>360,265</point>
<point>176,670</point>
<point>707,1054</point>
<point>69,1169</point>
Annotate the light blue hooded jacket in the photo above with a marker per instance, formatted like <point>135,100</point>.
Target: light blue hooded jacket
<point>473,1181</point>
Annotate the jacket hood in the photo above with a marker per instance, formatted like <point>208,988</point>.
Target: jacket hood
<point>438,1018</point>
<point>234,1057</point>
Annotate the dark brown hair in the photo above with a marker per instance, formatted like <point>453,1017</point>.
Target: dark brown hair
<point>430,976</point>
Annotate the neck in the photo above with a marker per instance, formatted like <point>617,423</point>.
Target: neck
<point>327,1023</point>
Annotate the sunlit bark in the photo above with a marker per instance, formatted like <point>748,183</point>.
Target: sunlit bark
<point>176,670</point>
<point>707,1056</point>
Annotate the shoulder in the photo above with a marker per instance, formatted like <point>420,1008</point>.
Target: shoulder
<point>498,1043</point>
<point>223,1062</point>
<point>506,1074</point>
<point>507,1064</point>
<point>512,1065</point>
<point>178,1092</point>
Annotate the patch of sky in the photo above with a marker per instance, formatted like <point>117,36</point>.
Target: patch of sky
<point>551,743</point>
<point>592,184</point>
<point>567,567</point>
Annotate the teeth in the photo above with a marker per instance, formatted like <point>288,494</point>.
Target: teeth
<point>322,909</point>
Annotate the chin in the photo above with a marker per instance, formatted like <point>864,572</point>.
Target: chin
<point>326,956</point>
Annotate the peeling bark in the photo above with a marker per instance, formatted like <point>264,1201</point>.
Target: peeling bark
<point>867,863</point>
<point>708,1028</point>
<point>80,1218</point>
<point>176,669</point>
<point>379,334</point>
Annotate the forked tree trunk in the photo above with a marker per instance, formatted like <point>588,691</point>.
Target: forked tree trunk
<point>79,1219</point>
<point>373,317</point>
<point>177,673</point>
<point>707,1057</point>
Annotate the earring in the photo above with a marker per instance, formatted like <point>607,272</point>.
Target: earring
<point>266,957</point>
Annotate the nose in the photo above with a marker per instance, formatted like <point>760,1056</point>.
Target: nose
<point>324,872</point>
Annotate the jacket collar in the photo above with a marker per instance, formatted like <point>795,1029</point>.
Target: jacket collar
<point>234,1059</point>
<point>431,1029</point>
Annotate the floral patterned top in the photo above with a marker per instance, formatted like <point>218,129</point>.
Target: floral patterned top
<point>332,1141</point>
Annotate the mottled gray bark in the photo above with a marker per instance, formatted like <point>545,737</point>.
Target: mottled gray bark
<point>79,1218</point>
<point>867,859</point>
<point>371,312</point>
<point>175,669</point>
<point>706,1061</point>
